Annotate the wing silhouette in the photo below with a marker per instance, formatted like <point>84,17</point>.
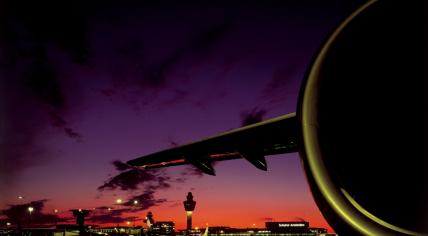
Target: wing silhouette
<point>253,142</point>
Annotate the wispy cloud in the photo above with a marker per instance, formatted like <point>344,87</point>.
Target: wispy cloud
<point>252,116</point>
<point>104,215</point>
<point>141,186</point>
<point>33,83</point>
<point>130,178</point>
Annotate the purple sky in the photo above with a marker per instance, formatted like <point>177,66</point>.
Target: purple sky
<point>85,85</point>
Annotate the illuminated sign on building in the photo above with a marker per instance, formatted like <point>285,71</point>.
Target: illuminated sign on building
<point>288,227</point>
<point>291,225</point>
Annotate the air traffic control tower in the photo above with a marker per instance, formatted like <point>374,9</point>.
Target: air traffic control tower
<point>189,206</point>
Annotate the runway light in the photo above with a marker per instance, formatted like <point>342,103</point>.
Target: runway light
<point>118,201</point>
<point>135,202</point>
<point>20,197</point>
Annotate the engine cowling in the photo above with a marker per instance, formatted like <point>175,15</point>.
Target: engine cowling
<point>363,120</point>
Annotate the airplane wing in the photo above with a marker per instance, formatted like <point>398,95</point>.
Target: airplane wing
<point>252,142</point>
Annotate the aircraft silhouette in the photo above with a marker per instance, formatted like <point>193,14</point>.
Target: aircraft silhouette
<point>360,126</point>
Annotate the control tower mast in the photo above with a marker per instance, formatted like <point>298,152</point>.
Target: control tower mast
<point>189,206</point>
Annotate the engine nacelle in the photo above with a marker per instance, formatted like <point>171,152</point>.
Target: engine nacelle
<point>363,122</point>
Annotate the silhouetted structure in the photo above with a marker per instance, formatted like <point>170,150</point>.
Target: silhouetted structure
<point>149,220</point>
<point>163,228</point>
<point>80,219</point>
<point>288,227</point>
<point>189,206</point>
<point>285,228</point>
<point>160,228</point>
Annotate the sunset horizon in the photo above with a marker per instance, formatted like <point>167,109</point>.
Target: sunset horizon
<point>90,86</point>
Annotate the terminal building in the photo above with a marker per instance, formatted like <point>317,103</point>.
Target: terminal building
<point>163,228</point>
<point>287,228</point>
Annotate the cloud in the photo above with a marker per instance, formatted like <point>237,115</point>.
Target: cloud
<point>134,204</point>
<point>143,185</point>
<point>18,214</point>
<point>280,87</point>
<point>253,116</point>
<point>172,142</point>
<point>190,171</point>
<point>208,38</point>
<point>202,41</point>
<point>177,96</point>
<point>151,72</point>
<point>155,75</point>
<point>32,80</point>
<point>128,180</point>
<point>131,178</point>
<point>73,134</point>
<point>120,166</point>
<point>280,79</point>
<point>19,144</point>
<point>43,82</point>
<point>36,24</point>
<point>45,85</point>
<point>61,123</point>
<point>145,201</point>
<point>110,216</point>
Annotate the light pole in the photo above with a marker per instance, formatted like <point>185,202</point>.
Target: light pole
<point>30,210</point>
<point>56,217</point>
<point>20,197</point>
<point>109,211</point>
<point>119,203</point>
<point>135,205</point>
